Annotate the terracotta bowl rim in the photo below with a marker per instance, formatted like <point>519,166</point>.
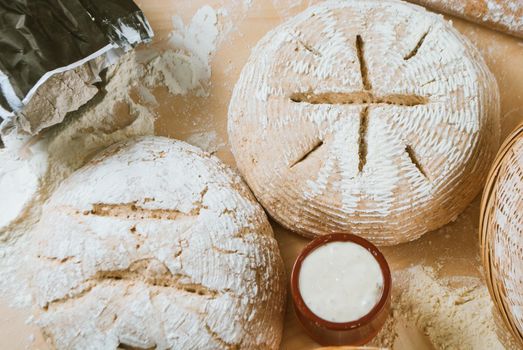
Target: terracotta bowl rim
<point>341,237</point>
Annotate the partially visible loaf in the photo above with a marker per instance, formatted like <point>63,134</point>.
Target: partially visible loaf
<point>503,15</point>
<point>155,244</point>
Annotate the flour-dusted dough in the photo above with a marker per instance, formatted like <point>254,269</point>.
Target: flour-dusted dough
<point>370,117</point>
<point>155,244</point>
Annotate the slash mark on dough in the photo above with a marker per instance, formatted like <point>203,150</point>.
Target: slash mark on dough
<point>417,47</point>
<point>415,161</point>
<point>362,144</point>
<point>309,48</point>
<point>358,97</point>
<point>360,48</point>
<point>306,155</point>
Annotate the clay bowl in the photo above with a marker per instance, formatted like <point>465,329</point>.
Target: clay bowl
<point>353,333</point>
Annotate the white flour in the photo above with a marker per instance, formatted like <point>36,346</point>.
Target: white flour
<point>21,174</point>
<point>454,313</point>
<point>196,43</point>
<point>209,141</point>
<point>287,8</point>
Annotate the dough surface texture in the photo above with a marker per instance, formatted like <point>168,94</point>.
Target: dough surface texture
<point>375,118</point>
<point>156,244</point>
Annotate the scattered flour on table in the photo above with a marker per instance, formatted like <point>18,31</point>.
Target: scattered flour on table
<point>123,109</point>
<point>195,43</point>
<point>289,8</point>
<point>455,313</point>
<point>209,141</point>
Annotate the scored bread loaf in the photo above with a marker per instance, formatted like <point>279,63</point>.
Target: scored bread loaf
<point>369,117</point>
<point>155,244</point>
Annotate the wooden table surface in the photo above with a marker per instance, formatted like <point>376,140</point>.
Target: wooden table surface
<point>451,251</point>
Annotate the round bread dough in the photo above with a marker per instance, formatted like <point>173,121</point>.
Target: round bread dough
<point>375,118</point>
<point>156,244</point>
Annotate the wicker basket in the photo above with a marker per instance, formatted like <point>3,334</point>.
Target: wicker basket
<point>501,232</point>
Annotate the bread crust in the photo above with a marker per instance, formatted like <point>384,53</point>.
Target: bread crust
<point>369,117</point>
<point>156,244</point>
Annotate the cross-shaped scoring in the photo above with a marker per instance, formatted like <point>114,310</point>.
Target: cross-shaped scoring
<point>368,99</point>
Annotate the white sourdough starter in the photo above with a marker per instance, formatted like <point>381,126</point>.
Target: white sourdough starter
<point>340,281</point>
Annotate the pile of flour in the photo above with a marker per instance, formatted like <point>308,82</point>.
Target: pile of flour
<point>454,313</point>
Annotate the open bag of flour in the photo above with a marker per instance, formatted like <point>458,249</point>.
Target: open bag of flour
<point>51,55</point>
